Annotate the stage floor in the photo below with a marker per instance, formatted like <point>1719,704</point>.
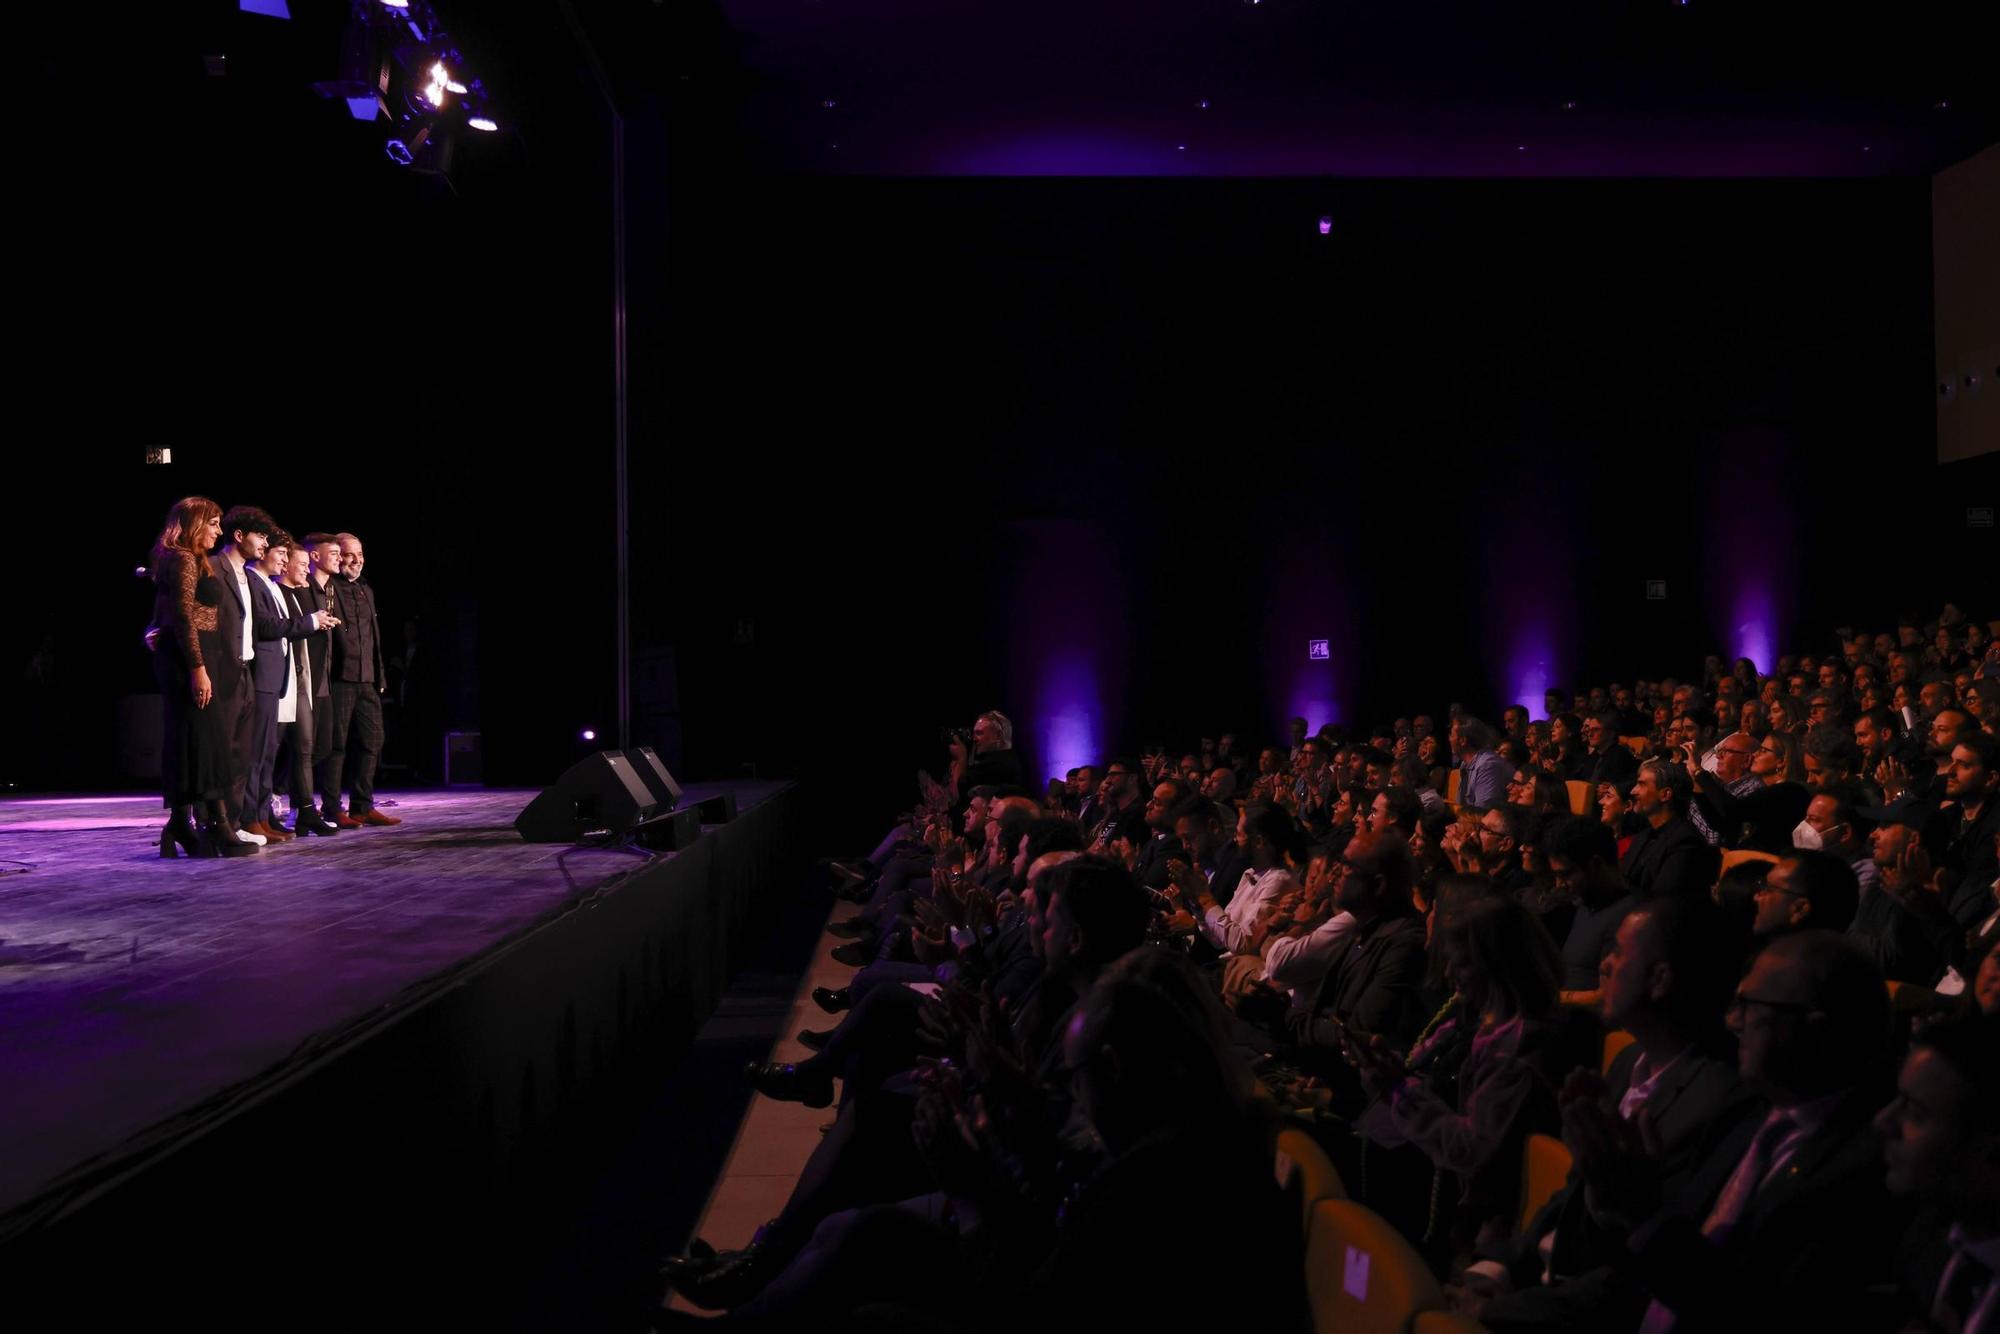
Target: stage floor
<point>132,987</point>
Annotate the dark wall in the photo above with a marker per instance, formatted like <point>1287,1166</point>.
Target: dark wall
<point>906,449</point>
<point>1170,428</point>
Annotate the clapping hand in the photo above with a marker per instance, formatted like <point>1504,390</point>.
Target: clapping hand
<point>1380,1066</point>
<point>1910,875</point>
<point>1618,1159</point>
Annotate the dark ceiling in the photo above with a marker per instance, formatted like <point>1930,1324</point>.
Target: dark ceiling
<point>1454,88</point>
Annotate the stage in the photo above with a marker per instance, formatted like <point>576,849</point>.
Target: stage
<point>402,1029</point>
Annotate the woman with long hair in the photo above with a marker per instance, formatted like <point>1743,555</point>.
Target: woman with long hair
<point>1472,1089</point>
<point>194,753</point>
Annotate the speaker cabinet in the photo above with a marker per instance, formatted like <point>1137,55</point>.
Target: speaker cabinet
<point>653,773</point>
<point>600,793</point>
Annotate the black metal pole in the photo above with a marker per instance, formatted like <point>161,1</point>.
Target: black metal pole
<point>621,480</point>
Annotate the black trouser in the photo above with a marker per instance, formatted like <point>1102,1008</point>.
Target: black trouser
<point>295,755</point>
<point>237,702</point>
<point>357,713</point>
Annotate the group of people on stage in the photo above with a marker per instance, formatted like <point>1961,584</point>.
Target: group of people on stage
<point>268,653</point>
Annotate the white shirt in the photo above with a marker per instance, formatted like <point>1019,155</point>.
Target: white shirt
<point>1297,962</point>
<point>1227,928</point>
<point>288,702</point>
<point>243,586</point>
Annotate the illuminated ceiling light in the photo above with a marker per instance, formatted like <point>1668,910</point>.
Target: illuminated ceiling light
<point>454,86</point>
<point>395,4</point>
<point>485,123</point>
<point>440,81</point>
<point>1326,225</point>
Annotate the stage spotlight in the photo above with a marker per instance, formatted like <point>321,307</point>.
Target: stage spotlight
<point>485,123</point>
<point>274,9</point>
<point>399,152</point>
<point>395,4</point>
<point>1326,226</point>
<point>589,734</point>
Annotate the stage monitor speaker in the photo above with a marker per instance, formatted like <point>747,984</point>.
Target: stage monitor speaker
<point>599,793</point>
<point>718,809</point>
<point>666,792</point>
<point>670,830</point>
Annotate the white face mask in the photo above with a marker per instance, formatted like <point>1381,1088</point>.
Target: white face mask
<point>1807,837</point>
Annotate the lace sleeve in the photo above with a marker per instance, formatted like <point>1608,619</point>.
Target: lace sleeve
<point>186,611</point>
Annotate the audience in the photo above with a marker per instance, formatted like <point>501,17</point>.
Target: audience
<point>1039,1087</point>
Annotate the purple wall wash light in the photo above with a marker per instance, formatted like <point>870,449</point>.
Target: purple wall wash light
<point>1064,653</point>
<point>1754,518</point>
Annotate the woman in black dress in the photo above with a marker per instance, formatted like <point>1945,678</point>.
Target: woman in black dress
<point>194,754</point>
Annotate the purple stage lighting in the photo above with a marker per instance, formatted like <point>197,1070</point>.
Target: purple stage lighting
<point>1528,672</point>
<point>1326,226</point>
<point>1069,710</point>
<point>485,123</point>
<point>589,734</point>
<point>276,9</point>
<point>1754,618</point>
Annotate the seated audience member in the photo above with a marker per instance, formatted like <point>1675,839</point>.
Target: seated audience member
<point>1782,1222</point>
<point>1900,940</point>
<point>1970,824</point>
<point>1806,891</point>
<point>1268,840</point>
<point>1482,773</point>
<point>1666,855</point>
<point>1095,913</point>
<point>1155,1084</point>
<point>1729,760</point>
<point>1830,756</point>
<point>1491,847</point>
<point>1665,980</point>
<point>1122,807</point>
<point>1941,1141</point>
<point>1762,819</point>
<point>1583,856</point>
<point>1373,983</point>
<point>1467,1096</point>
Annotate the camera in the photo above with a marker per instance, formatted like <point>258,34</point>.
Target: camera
<point>947,735</point>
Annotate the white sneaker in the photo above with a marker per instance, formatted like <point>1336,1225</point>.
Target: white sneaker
<point>245,836</point>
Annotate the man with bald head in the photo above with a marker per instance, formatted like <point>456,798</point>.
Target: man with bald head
<point>358,677</point>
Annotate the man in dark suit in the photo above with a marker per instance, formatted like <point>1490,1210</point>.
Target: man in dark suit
<point>274,626</point>
<point>1941,1142</point>
<point>1373,978</point>
<point>1664,980</point>
<point>360,677</point>
<point>298,740</point>
<point>1668,855</point>
<point>1782,1223</point>
<point>246,531</point>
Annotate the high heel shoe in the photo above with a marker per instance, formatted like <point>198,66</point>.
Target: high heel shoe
<point>180,830</point>
<point>220,841</point>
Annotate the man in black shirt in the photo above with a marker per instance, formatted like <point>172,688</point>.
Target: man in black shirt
<point>1668,855</point>
<point>359,677</point>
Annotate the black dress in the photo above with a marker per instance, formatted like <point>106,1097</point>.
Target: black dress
<point>194,753</point>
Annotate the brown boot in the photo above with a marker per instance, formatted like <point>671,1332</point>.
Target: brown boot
<point>376,817</point>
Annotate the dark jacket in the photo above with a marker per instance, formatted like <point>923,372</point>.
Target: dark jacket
<point>1811,1249</point>
<point>1673,859</point>
<point>1762,820</point>
<point>319,645</point>
<point>230,610</point>
<point>273,621</point>
<point>357,640</point>
<point>1697,1100</point>
<point>1617,766</point>
<point>1373,984</point>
